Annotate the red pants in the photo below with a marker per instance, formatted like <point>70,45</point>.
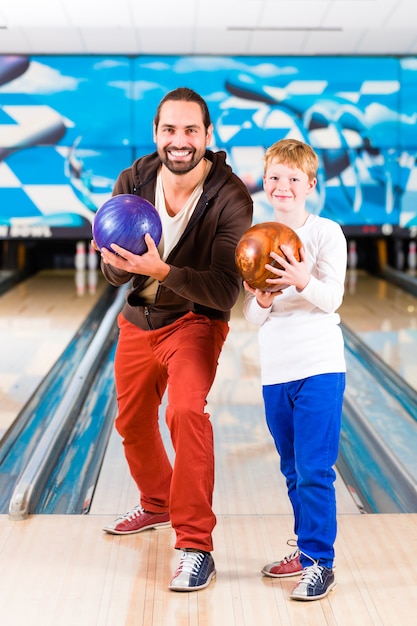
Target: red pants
<point>184,356</point>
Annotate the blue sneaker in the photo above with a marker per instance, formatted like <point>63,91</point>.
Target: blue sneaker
<point>316,581</point>
<point>195,571</point>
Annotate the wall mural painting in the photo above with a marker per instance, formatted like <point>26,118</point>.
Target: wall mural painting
<point>69,124</point>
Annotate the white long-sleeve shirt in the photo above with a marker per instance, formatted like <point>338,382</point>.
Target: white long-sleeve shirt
<point>300,335</point>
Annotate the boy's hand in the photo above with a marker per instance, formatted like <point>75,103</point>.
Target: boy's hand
<point>293,273</point>
<point>263,298</point>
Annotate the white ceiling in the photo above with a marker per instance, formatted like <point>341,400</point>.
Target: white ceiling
<point>220,27</point>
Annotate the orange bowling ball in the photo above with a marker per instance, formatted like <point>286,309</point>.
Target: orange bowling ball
<point>254,248</point>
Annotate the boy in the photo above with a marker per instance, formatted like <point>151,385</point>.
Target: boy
<point>302,364</point>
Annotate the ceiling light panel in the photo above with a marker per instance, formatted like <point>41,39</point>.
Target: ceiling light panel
<point>172,14</point>
<point>354,14</point>
<point>99,14</point>
<point>42,13</point>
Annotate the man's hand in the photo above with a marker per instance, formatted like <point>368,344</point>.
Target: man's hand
<point>147,264</point>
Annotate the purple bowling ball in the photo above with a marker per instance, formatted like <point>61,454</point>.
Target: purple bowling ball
<point>124,220</point>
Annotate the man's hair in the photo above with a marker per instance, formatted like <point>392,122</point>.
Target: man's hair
<point>293,153</point>
<point>184,94</point>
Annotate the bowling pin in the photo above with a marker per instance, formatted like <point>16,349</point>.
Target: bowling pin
<point>80,256</point>
<point>399,254</point>
<point>412,257</point>
<point>352,255</point>
<point>92,260</point>
<point>352,278</point>
<point>92,281</point>
<point>80,282</point>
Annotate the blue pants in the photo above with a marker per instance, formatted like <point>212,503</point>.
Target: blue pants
<point>304,418</point>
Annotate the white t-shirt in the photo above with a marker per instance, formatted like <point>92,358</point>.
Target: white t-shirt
<point>300,335</point>
<point>172,226</point>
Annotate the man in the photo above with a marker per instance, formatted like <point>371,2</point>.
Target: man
<point>173,327</point>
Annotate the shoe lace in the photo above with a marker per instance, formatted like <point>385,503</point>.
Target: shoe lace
<point>293,544</point>
<point>133,513</point>
<point>312,573</point>
<point>291,557</point>
<point>190,562</point>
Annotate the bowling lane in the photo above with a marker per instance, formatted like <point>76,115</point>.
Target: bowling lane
<point>248,477</point>
<point>5,275</point>
<point>385,318</point>
<point>247,469</point>
<point>38,318</point>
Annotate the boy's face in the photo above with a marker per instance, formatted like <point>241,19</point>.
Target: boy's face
<point>287,187</point>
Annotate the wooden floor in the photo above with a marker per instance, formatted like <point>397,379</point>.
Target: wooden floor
<point>59,571</point>
<point>38,318</point>
<point>64,570</point>
<point>385,318</point>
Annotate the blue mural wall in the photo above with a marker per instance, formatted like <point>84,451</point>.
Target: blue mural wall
<point>69,124</point>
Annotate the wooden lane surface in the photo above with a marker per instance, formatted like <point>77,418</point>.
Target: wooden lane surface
<point>372,303</point>
<point>38,318</point>
<point>385,318</point>
<point>61,570</point>
<point>248,477</point>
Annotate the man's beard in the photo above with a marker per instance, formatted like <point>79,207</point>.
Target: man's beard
<point>180,167</point>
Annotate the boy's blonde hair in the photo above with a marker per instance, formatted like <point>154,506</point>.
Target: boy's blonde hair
<point>293,153</point>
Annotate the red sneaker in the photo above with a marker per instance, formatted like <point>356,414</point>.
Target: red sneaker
<point>289,566</point>
<point>135,521</point>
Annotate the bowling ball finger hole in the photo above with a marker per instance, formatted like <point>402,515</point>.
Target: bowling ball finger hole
<point>276,264</point>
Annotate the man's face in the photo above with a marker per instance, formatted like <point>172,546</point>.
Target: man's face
<point>181,137</point>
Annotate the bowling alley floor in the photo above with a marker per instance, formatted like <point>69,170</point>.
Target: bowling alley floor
<point>60,570</point>
<point>385,318</point>
<point>38,318</point>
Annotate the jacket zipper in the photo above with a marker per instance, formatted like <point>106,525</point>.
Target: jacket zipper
<point>148,317</point>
